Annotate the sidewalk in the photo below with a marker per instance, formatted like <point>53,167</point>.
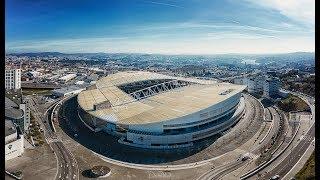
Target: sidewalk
<point>27,144</point>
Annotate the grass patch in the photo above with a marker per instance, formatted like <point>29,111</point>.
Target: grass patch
<point>308,170</point>
<point>293,103</point>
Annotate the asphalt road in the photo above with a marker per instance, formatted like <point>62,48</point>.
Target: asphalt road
<point>67,165</point>
<point>278,130</point>
<point>287,164</point>
<point>226,170</point>
<point>219,172</point>
<point>281,168</point>
<point>274,129</point>
<point>295,153</point>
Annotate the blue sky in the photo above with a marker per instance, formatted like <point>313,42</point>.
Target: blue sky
<point>160,26</point>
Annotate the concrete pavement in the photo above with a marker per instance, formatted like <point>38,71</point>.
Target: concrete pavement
<point>286,161</point>
<point>67,165</point>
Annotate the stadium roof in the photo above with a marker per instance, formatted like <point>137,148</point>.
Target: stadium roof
<point>160,107</point>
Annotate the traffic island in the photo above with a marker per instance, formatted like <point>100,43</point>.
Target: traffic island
<point>97,172</point>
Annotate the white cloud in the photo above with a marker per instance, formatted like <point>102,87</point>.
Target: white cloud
<point>239,36</point>
<point>300,10</point>
<point>164,4</point>
<point>209,44</point>
<point>228,26</point>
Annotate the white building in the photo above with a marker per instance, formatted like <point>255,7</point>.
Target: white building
<point>254,84</point>
<point>259,83</point>
<point>67,77</point>
<point>18,114</point>
<point>79,83</point>
<point>13,78</point>
<point>13,141</point>
<point>239,81</point>
<point>34,73</point>
<point>26,115</point>
<point>271,87</point>
<point>54,77</point>
<point>268,86</point>
<point>250,84</point>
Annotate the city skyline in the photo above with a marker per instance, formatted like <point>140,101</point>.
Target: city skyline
<point>164,27</point>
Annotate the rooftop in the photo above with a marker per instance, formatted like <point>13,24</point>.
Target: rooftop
<point>68,76</point>
<point>9,128</point>
<point>13,113</point>
<point>9,103</point>
<point>160,107</point>
<point>12,110</point>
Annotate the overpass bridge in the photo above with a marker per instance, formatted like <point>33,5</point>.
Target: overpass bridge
<point>40,86</point>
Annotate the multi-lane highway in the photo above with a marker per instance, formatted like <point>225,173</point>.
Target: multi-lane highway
<point>254,114</point>
<point>285,166</point>
<point>287,158</point>
<point>285,154</point>
<point>66,163</point>
<point>219,172</point>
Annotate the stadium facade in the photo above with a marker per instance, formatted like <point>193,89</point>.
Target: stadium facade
<point>150,110</point>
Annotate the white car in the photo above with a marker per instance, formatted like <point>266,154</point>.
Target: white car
<point>275,177</point>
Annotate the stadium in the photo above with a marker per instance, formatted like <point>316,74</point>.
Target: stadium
<point>151,110</point>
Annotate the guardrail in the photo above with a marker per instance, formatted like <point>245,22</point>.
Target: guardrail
<point>283,116</point>
<point>40,86</point>
<point>263,117</point>
<point>86,123</point>
<point>51,117</point>
<point>54,109</point>
<point>12,175</point>
<point>269,130</point>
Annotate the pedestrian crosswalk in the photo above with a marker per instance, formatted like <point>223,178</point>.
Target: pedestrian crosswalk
<point>52,138</point>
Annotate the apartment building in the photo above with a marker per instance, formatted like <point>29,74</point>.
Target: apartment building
<point>13,78</point>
